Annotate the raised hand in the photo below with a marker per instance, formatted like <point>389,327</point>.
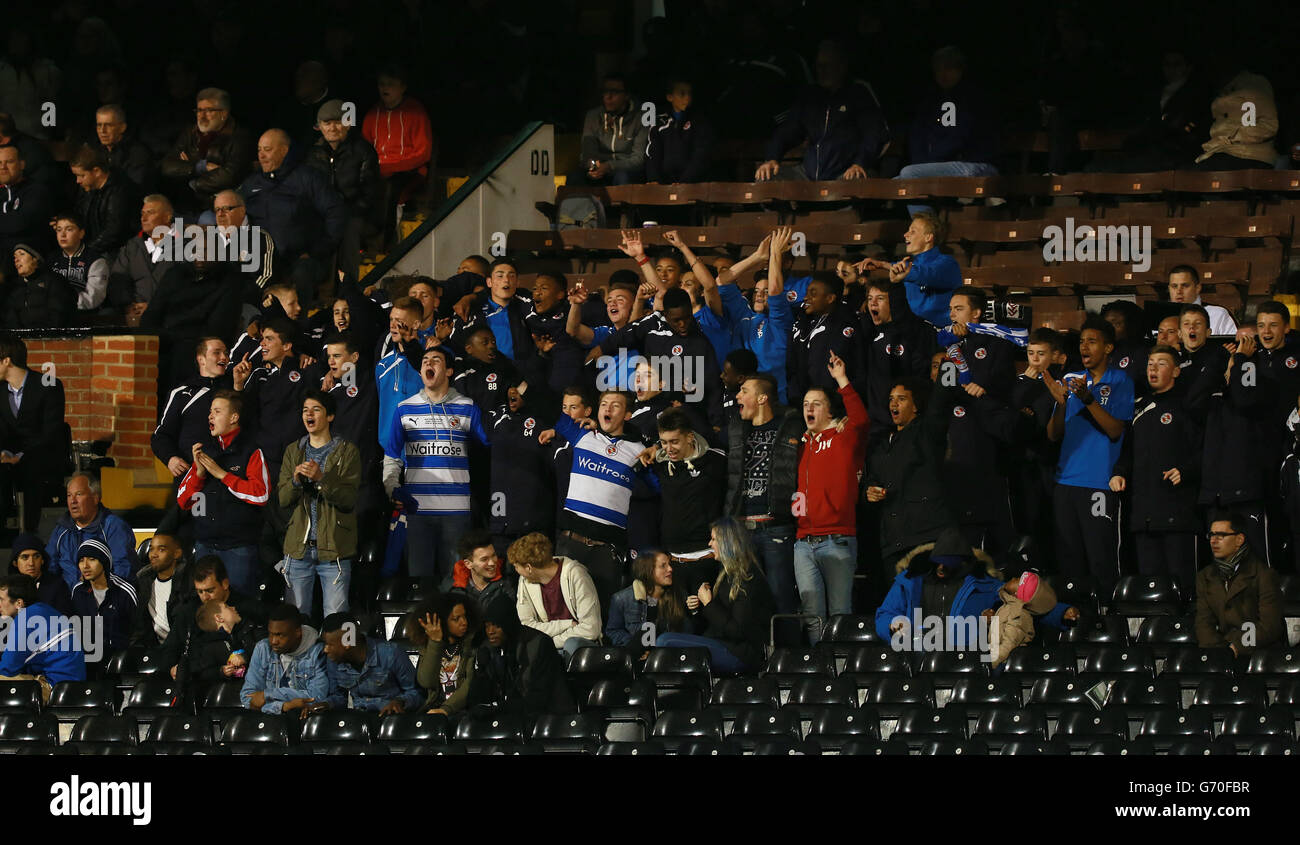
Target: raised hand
<point>432,626</point>
<point>631,245</point>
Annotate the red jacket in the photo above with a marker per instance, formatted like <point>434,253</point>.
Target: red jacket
<point>829,466</point>
<point>403,136</point>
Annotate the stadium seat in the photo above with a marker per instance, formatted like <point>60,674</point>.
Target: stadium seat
<point>478,730</point>
<point>1187,666</point>
<point>891,696</point>
<point>754,725</point>
<point>1079,727</point>
<point>784,746</point>
<point>1162,723</point>
<point>20,697</point>
<point>70,700</point>
<point>1274,666</point>
<point>172,733</point>
<point>1028,665</point>
<point>730,695</point>
<point>397,597</point>
<point>945,668</point>
<point>831,727</point>
<point>94,730</point>
<point>21,729</point>
<point>843,634</point>
<point>349,749</point>
<point>1134,691</point>
<point>1054,694</point>
<point>1193,747</point>
<point>1117,748</point>
<point>595,662</point>
<point>1224,693</point>
<point>1166,634</point>
<point>568,733</point>
<point>787,665</point>
<point>1111,663</point>
<point>703,747</point>
<point>220,702</point>
<point>401,732</point>
<point>1289,587</point>
<point>337,726</point>
<point>996,724</point>
<point>1081,592</point>
<point>1094,633</point>
<point>1247,725</point>
<point>1137,597</point>
<point>822,692</point>
<point>675,727</point>
<point>953,748</point>
<point>245,732</point>
<point>631,749</point>
<point>682,677</point>
<point>453,749</point>
<point>875,748</point>
<point>608,693</point>
<point>917,724</point>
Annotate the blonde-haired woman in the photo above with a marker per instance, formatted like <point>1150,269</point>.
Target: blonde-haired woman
<point>737,609</point>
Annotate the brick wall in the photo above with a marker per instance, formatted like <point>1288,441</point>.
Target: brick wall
<point>110,385</point>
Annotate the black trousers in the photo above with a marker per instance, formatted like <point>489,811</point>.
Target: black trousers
<point>1087,535</point>
<point>25,478</point>
<point>1168,553</point>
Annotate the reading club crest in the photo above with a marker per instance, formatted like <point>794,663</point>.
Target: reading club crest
<point>677,350</point>
<point>1123,362</point>
<point>1290,363</point>
<point>848,331</point>
<point>611,450</point>
<point>791,296</point>
<point>352,392</point>
<point>295,376</point>
<point>1104,390</point>
<point>981,353</point>
<point>1166,418</point>
<point>959,412</point>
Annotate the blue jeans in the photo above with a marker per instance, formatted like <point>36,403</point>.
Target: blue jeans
<point>335,578</point>
<point>934,169</point>
<point>723,660</point>
<point>824,572</point>
<point>431,544</point>
<point>572,644</point>
<point>241,564</point>
<point>775,547</point>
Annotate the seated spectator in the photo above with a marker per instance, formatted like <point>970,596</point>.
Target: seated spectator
<point>930,275</point>
<point>518,670</point>
<point>352,167</point>
<point>214,154</point>
<point>87,519</point>
<point>221,645</point>
<point>311,87</point>
<point>25,206</point>
<point>287,670</point>
<point>478,572</point>
<point>946,579</point>
<point>834,451</point>
<point>228,475</point>
<point>1172,121</point>
<point>319,480</point>
<point>1185,287</point>
<point>143,261</point>
<point>364,674</point>
<point>208,582</point>
<point>398,128</point>
<point>250,250</point>
<point>106,204</point>
<point>29,559</point>
<point>680,147</point>
<point>85,270</point>
<point>37,648</point>
<point>124,153</point>
<point>300,209</point>
<point>952,132</point>
<point>33,435</point>
<point>735,610</point>
<point>1238,603</point>
<point>100,593</point>
<point>613,138</point>
<point>160,588</point>
<point>37,298</point>
<point>637,614</point>
<point>445,631</point>
<point>1236,144</point>
<point>556,594</point>
<point>841,120</point>
<point>1026,599</point>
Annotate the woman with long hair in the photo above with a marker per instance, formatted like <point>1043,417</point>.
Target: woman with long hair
<point>444,629</point>
<point>736,609</point>
<point>650,604</point>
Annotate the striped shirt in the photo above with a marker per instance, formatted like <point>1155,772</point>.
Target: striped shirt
<point>426,444</point>
<point>600,483</point>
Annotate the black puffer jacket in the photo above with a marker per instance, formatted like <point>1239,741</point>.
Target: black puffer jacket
<point>111,214</point>
<point>742,623</point>
<point>44,300</point>
<point>352,169</point>
<point>785,465</point>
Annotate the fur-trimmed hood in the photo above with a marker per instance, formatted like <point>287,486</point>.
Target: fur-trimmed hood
<point>917,562</point>
<point>698,447</point>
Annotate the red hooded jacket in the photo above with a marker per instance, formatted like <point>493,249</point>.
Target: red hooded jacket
<point>829,465</point>
<point>403,137</point>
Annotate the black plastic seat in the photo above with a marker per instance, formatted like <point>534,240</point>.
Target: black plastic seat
<point>569,733</point>
<point>1273,665</point>
<point>403,731</point>
<point>350,749</point>
<point>337,726</point>
<point>920,722</point>
<point>1165,634</point>
<point>755,725</point>
<point>1271,747</point>
<point>20,697</point>
<point>703,747</point>
<point>822,692</point>
<point>682,677</point>
<point>675,727</point>
<point>1113,663</point>
<point>244,731</point>
<point>1196,746</point>
<point>170,733</point>
<point>1162,722</point>
<point>223,697</point>
<point>1028,665</point>
<point>893,695</point>
<point>591,664</point>
<point>1029,747</point>
<point>1138,597</point>
<point>1287,692</point>
<point>947,667</point>
<point>1117,748</point>
<point>877,660</point>
<point>1223,694</point>
<point>1010,721</point>
<point>787,665</point>
<point>729,694</point>
<point>476,730</point>
<point>451,749</point>
<point>1079,727</point>
<point>1251,723</point>
<point>70,700</point>
<point>875,748</point>
<point>1055,694</point>
<point>846,628</point>
<point>608,693</point>
<point>832,727</point>
<point>1080,592</point>
<point>980,692</point>
<point>92,732</point>
<point>1093,633</point>
<point>954,748</point>
<point>784,746</point>
<point>18,729</point>
<point>631,749</point>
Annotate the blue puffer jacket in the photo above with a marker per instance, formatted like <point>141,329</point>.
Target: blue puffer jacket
<point>978,592</point>
<point>107,527</point>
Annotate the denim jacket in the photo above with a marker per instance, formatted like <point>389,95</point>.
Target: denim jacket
<point>386,675</point>
<point>307,676</point>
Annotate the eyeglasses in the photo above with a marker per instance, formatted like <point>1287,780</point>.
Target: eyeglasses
<point>1221,534</point>
<point>225,209</point>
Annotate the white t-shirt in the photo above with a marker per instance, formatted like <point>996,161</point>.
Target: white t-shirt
<point>162,591</point>
<point>1221,322</point>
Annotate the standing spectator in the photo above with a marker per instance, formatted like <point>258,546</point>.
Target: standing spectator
<point>397,372</point>
<point>31,651</point>
<point>38,298</point>
<point>143,261</point>
<point>986,361</point>
<point>1173,120</point>
<point>104,594</point>
<point>521,487</point>
<point>398,128</point>
<point>762,466</point>
<point>184,420</point>
<point>505,309</point>
<point>123,153</point>
<point>300,209</point>
<point>445,632</point>
<point>25,205</point>
<point>86,271</point>
<point>273,392</point>
<point>652,604</point>
<point>1160,468</point>
<point>364,675</point>
<point>613,138</point>
<point>426,466</point>
<point>680,147</point>
<point>1132,341</point>
<point>106,203</point>
<point>212,155</point>
<point>228,476</point>
<point>901,347</point>
<point>953,133</point>
<point>841,120</point>
<point>1092,408</point>
<point>28,80</point>
<point>160,586</point>
<point>735,610</point>
<point>352,166</point>
<point>34,438</point>
<point>1238,603</point>
<point>1185,287</point>
<point>518,670</point>
<point>763,325</point>
<point>930,275</point>
<point>826,327</point>
<point>87,519</point>
<point>556,594</point>
<point>826,551</point>
<point>287,670</point>
<point>29,559</point>
<point>319,481</point>
<point>311,90</point>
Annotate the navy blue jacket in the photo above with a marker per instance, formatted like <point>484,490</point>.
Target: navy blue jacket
<point>117,610</point>
<point>680,149</point>
<point>843,128</point>
<point>297,205</point>
<point>969,135</point>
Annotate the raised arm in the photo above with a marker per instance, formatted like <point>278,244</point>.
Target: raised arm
<point>574,325</point>
<point>701,271</point>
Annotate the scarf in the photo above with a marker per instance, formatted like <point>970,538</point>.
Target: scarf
<point>1228,566</point>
